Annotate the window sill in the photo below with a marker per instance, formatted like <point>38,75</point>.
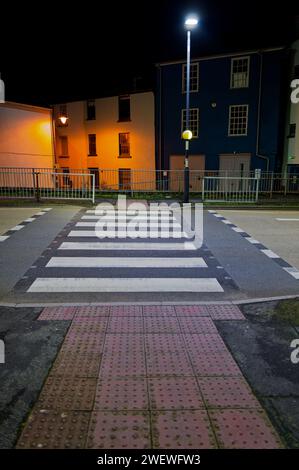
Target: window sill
<point>124,120</point>
<point>63,156</point>
<point>92,155</point>
<point>124,156</point>
<point>89,119</point>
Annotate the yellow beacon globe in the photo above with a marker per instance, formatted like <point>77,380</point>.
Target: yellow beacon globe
<point>187,135</point>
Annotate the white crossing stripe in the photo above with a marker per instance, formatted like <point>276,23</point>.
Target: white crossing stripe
<point>141,218</point>
<point>49,284</point>
<point>252,240</point>
<point>128,212</point>
<point>125,262</point>
<point>17,227</point>
<point>40,213</point>
<point>293,272</point>
<point>3,238</point>
<point>30,219</point>
<point>218,215</point>
<point>145,246</point>
<point>238,229</point>
<point>225,221</point>
<point>287,220</point>
<point>270,254</point>
<point>126,233</point>
<point>134,224</point>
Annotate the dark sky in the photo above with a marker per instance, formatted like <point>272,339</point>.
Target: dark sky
<point>57,52</point>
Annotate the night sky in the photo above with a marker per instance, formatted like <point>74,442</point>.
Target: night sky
<point>65,51</point>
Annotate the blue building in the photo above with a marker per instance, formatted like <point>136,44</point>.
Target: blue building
<point>237,111</point>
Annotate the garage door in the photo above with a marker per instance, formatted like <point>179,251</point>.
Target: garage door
<point>196,166</point>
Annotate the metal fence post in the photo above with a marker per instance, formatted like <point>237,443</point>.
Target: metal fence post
<point>257,189</point>
<point>203,189</point>
<point>37,195</point>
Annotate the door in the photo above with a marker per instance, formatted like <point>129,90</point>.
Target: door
<point>124,179</point>
<point>235,166</point>
<point>197,168</point>
<point>95,172</point>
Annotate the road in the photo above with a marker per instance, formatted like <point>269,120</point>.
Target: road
<point>57,258</point>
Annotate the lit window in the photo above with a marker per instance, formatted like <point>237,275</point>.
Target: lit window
<point>193,121</point>
<point>124,144</point>
<point>90,110</point>
<point>92,145</point>
<point>194,74</point>
<point>238,120</point>
<point>239,72</point>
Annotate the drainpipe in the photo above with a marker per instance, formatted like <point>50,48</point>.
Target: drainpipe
<point>53,129</point>
<point>257,148</point>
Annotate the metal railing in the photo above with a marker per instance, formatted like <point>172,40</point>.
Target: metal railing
<point>230,189</point>
<point>46,184</point>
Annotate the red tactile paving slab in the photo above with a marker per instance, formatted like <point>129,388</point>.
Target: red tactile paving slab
<point>174,393</point>
<point>75,365</point>
<point>58,313</point>
<point>204,343</point>
<point>182,430</point>
<point>244,429</point>
<point>62,393</point>
<point>214,364</point>
<point>161,325</point>
<point>158,310</point>
<point>119,430</point>
<point>225,312</point>
<point>121,394</point>
<point>119,343</point>
<point>202,325</point>
<point>92,326</point>
<point>130,324</point>
<point>122,365</point>
<point>83,344</point>
<point>157,343</point>
<point>227,392</point>
<point>126,310</point>
<point>49,429</point>
<point>93,312</point>
<point>192,310</point>
<point>175,364</point>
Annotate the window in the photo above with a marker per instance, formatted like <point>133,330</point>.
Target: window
<point>95,172</point>
<point>124,144</point>
<point>238,120</point>
<point>194,68</point>
<point>193,121</point>
<point>66,178</point>
<point>292,131</point>
<point>64,146</point>
<point>90,110</point>
<point>124,108</point>
<point>124,178</point>
<point>92,145</point>
<point>239,72</point>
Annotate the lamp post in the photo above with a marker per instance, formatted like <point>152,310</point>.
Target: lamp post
<point>190,23</point>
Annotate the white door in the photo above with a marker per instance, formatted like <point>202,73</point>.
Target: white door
<point>236,167</point>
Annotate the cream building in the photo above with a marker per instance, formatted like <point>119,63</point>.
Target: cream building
<point>110,137</point>
<point>292,132</point>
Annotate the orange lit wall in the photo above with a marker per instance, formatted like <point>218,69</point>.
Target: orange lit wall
<point>25,136</point>
<point>107,128</point>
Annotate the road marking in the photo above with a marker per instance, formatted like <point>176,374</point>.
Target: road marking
<point>130,224</point>
<point>238,229</point>
<point>252,240</point>
<point>125,285</point>
<point>145,246</point>
<point>225,221</point>
<point>218,215</point>
<point>270,253</point>
<point>287,220</point>
<point>129,217</point>
<point>3,238</point>
<point>126,234</point>
<point>40,213</point>
<point>293,272</point>
<point>17,227</point>
<point>126,262</point>
<point>30,219</point>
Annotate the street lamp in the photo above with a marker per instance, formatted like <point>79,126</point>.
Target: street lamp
<point>190,24</point>
<point>63,119</point>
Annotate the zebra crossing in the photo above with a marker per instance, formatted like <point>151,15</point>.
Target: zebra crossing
<point>87,257</point>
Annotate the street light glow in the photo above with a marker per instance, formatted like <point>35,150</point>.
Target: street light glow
<point>63,119</point>
<point>191,22</point>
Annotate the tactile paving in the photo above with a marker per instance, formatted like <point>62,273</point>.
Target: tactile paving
<point>174,393</point>
<point>121,394</point>
<point>192,310</point>
<point>214,364</point>
<point>49,429</point>
<point>174,364</point>
<point>182,430</point>
<point>58,313</point>
<point>161,325</point>
<point>225,312</point>
<point>62,393</point>
<point>119,430</point>
<point>204,343</point>
<point>93,311</point>
<point>126,310</point>
<point>244,429</point>
<point>92,326</point>
<point>74,365</point>
<point>130,324</point>
<point>121,365</point>
<point>202,325</point>
<point>227,392</point>
<point>157,343</point>
<point>158,310</point>
<point>83,344</point>
<point>117,343</point>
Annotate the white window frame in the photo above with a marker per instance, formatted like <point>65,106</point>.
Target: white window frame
<point>184,89</point>
<point>233,59</point>
<point>229,120</point>
<point>182,121</point>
